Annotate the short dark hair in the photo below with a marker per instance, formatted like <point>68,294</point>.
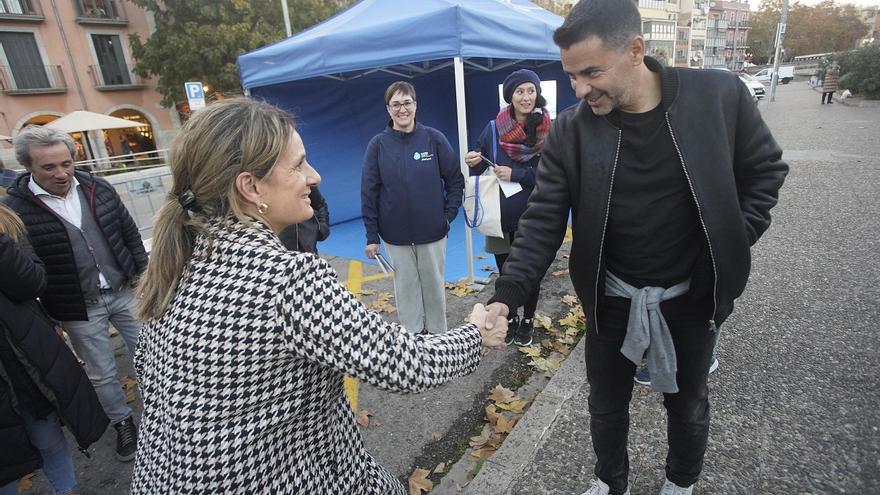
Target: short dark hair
<point>401,86</point>
<point>615,22</point>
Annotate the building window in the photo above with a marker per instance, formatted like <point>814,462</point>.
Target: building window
<point>24,7</point>
<point>112,69</point>
<point>24,65</point>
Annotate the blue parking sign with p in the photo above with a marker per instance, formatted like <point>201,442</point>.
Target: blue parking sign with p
<point>194,90</point>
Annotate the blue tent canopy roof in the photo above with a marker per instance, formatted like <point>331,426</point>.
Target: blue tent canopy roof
<point>384,33</point>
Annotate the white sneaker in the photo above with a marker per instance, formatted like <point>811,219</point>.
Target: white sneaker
<point>670,488</point>
<point>599,487</point>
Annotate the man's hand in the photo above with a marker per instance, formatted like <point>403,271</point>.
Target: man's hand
<point>493,338</point>
<point>371,251</point>
<point>495,312</point>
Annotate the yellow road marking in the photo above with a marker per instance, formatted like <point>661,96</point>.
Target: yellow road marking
<point>355,278</point>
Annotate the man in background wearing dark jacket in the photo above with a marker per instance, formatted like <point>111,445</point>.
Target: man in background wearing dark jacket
<point>411,189</point>
<point>670,175</point>
<point>304,237</point>
<point>93,255</point>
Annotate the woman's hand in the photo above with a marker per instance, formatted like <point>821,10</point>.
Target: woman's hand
<point>473,158</point>
<point>492,338</point>
<point>503,172</point>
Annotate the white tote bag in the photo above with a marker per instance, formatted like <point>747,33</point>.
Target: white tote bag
<point>482,200</point>
<point>482,204</point>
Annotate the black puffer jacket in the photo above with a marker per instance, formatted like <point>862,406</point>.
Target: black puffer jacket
<point>35,361</point>
<point>730,159</point>
<point>304,237</point>
<point>63,298</point>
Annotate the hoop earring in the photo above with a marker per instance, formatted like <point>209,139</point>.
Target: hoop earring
<point>262,208</point>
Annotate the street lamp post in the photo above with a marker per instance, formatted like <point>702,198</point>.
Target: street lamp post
<point>780,35</point>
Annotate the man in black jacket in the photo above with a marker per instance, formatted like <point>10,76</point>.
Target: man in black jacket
<point>93,255</point>
<point>670,175</point>
<point>304,237</point>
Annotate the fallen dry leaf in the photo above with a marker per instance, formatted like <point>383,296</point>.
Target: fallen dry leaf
<point>25,483</point>
<point>501,394</point>
<point>483,453</point>
<point>531,351</point>
<point>481,439</point>
<point>514,406</point>
<point>492,415</point>
<point>419,482</point>
<point>440,468</point>
<point>543,321</point>
<point>480,257</point>
<point>128,386</point>
<point>548,344</point>
<point>462,289</point>
<point>363,418</point>
<point>436,436</point>
<point>487,268</point>
<point>383,303</point>
<point>367,292</point>
<point>560,272</point>
<point>570,300</point>
<point>505,425</point>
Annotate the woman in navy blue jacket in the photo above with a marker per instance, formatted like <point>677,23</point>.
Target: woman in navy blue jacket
<point>513,143</point>
<point>411,189</point>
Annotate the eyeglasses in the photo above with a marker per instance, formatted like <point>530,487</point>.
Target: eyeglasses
<point>408,104</point>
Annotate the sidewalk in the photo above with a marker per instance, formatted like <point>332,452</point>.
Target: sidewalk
<point>795,406</point>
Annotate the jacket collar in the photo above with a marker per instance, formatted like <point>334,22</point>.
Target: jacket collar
<point>400,134</point>
<point>20,187</point>
<point>668,82</point>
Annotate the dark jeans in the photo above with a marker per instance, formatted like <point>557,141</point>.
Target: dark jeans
<point>829,94</point>
<point>610,375</point>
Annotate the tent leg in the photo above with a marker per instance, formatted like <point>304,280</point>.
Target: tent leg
<point>461,117</point>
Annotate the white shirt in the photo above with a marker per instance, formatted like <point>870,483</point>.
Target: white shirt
<point>68,207</point>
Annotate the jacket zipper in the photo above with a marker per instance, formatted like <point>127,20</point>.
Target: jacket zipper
<point>702,221</point>
<point>604,227</point>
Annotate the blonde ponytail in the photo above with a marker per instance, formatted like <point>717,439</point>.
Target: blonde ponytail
<point>216,145</point>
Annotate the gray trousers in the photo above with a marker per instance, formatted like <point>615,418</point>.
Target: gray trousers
<point>419,285</point>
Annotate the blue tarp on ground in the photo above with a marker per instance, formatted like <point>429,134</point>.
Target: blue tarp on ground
<point>332,77</point>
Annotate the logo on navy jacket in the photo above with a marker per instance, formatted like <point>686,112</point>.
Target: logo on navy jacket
<point>424,156</point>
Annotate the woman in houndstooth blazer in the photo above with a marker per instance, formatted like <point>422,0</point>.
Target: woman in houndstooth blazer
<point>245,345</point>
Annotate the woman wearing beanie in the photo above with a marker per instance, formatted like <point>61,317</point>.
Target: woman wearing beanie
<point>512,141</point>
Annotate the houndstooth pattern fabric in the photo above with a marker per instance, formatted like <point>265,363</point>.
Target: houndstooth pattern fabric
<point>242,378</point>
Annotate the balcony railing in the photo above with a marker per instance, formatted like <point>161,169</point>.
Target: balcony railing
<point>112,77</point>
<point>21,10</point>
<point>32,79</point>
<point>659,36</point>
<point>100,12</point>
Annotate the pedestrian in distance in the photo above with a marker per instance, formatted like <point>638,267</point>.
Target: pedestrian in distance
<point>511,145</point>
<point>43,384</point>
<point>246,343</point>
<point>829,84</point>
<point>304,237</point>
<point>411,189</point>
<point>670,174</point>
<point>93,254</point>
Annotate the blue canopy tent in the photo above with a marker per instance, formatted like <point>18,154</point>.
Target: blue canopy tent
<point>456,52</point>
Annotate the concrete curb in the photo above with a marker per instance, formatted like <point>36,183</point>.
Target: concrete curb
<point>500,471</point>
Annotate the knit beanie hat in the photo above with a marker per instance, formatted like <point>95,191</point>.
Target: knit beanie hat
<point>519,77</point>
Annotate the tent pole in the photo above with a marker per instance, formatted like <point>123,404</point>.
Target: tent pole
<point>461,117</point>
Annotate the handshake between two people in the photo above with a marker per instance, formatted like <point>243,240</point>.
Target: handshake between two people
<point>492,322</point>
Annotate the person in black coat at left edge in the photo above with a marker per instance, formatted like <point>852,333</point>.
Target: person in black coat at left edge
<point>41,381</point>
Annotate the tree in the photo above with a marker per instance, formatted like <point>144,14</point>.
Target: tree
<point>825,27</point>
<point>200,40</point>
<point>556,7</point>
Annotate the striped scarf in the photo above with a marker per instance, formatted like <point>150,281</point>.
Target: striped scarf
<point>512,135</point>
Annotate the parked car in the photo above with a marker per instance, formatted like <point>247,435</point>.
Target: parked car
<point>755,85</point>
<point>752,86</point>
<point>786,74</point>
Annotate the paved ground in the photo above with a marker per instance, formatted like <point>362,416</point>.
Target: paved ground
<point>795,407</point>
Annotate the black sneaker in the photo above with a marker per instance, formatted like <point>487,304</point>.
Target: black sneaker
<point>126,439</point>
<point>524,332</point>
<point>512,326</point>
